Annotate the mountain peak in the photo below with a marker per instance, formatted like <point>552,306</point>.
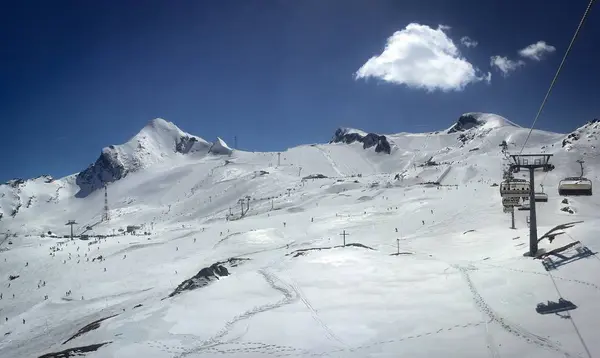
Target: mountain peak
<point>220,147</point>
<point>159,139</point>
<point>479,120</point>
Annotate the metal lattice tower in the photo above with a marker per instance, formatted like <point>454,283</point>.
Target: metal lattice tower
<point>105,215</point>
<point>531,162</point>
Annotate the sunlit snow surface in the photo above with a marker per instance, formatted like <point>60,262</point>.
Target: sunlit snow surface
<point>454,294</point>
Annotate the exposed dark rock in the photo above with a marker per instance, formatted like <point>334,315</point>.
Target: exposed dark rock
<point>14,183</point>
<point>75,352</point>
<point>465,122</point>
<point>207,275</point>
<point>138,305</point>
<point>567,210</point>
<point>13,277</point>
<point>107,168</point>
<point>185,144</point>
<point>315,176</point>
<point>380,142</point>
<point>565,201</point>
<point>90,327</point>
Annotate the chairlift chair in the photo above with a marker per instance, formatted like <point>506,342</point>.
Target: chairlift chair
<point>541,197</point>
<point>511,201</point>
<point>575,186</point>
<point>514,188</point>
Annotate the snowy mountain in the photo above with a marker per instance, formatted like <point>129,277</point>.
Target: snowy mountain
<point>479,120</point>
<point>404,252</point>
<point>158,140</point>
<point>220,147</point>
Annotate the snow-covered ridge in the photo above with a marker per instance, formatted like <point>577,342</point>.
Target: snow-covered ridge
<point>483,121</point>
<point>220,147</point>
<point>158,140</point>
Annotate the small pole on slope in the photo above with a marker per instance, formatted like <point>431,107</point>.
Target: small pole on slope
<point>299,170</point>
<point>398,246</point>
<point>278,159</point>
<point>512,215</point>
<point>235,142</point>
<point>344,234</point>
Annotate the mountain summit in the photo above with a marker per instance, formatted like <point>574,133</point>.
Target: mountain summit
<point>158,140</point>
<point>479,120</point>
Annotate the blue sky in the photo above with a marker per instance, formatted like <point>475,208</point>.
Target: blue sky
<point>77,76</point>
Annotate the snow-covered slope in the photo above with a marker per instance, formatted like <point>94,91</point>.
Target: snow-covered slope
<point>220,147</point>
<point>158,140</point>
<point>460,287</point>
<point>479,120</point>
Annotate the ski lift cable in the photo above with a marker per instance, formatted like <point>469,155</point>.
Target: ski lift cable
<point>585,14</point>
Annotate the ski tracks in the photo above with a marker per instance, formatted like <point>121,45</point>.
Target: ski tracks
<point>275,283</point>
<point>585,283</point>
<point>330,160</point>
<point>506,325</point>
<point>314,313</point>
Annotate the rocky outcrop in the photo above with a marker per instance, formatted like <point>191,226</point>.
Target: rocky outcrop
<point>106,169</point>
<point>348,136</point>
<point>590,130</point>
<point>465,122</point>
<point>207,275</point>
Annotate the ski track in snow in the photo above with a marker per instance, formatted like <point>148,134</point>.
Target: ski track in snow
<point>314,313</point>
<point>330,160</point>
<point>275,283</point>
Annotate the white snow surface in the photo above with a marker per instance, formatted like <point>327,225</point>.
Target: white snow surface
<point>152,144</point>
<point>462,289</point>
<point>220,147</point>
<point>489,120</point>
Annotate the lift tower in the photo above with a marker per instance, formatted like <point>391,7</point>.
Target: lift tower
<point>531,162</point>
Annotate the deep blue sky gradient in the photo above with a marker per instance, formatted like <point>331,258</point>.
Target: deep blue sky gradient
<point>76,76</point>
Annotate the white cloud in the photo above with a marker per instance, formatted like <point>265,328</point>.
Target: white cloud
<point>537,50</point>
<point>468,42</point>
<point>505,65</point>
<point>422,57</point>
